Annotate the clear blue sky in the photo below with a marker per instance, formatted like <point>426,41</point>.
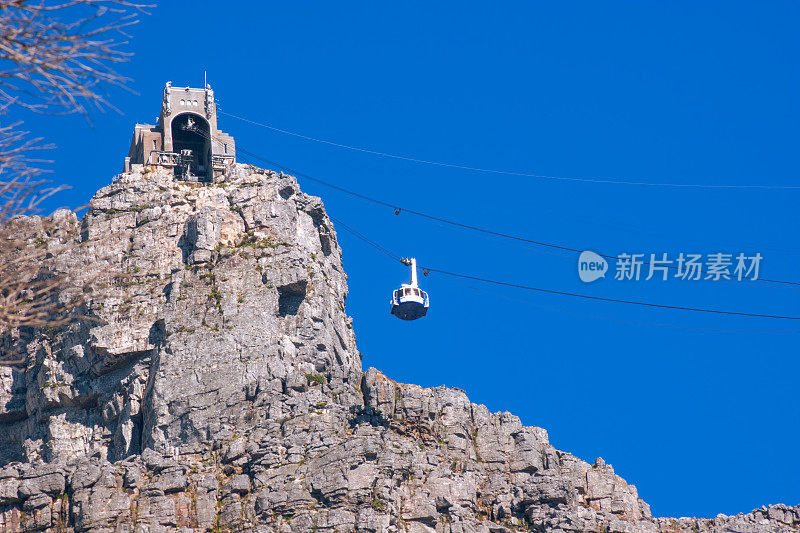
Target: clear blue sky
<point>702,422</point>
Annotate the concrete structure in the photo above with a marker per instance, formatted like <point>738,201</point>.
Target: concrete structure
<point>186,137</point>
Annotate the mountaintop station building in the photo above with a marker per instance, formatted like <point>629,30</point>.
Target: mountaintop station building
<point>186,137</point>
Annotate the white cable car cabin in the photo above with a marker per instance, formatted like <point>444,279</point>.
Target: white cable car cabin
<point>409,302</point>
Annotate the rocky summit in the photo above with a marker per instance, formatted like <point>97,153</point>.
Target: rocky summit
<point>210,381</point>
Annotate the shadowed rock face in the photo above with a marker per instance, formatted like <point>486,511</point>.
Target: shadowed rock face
<point>211,381</point>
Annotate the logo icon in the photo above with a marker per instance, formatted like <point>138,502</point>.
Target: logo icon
<point>591,267</point>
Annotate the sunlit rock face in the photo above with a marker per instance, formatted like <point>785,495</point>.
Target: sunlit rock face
<point>210,380</point>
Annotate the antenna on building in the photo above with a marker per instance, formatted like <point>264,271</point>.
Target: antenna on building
<point>205,81</point>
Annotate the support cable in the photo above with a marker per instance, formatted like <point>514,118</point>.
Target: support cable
<point>399,209</point>
<point>563,293</point>
<point>426,270</point>
<point>502,172</point>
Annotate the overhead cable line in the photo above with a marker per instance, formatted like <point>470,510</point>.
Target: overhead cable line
<point>589,297</point>
<point>427,269</point>
<point>619,320</point>
<point>503,172</point>
<point>366,239</point>
<point>398,209</point>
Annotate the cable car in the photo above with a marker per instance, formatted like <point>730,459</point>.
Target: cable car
<point>409,302</point>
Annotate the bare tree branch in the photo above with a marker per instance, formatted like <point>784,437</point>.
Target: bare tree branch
<point>29,286</point>
<point>55,54</point>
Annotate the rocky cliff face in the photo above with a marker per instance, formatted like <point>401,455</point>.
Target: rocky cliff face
<point>211,381</point>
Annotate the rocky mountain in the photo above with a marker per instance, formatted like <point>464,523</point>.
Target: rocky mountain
<point>211,381</point>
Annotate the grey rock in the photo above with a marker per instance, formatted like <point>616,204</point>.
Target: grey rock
<point>234,450</point>
<point>86,475</point>
<point>44,479</point>
<point>219,386</point>
<point>9,491</point>
<point>240,484</point>
<point>36,501</point>
<point>156,461</point>
<point>171,480</point>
